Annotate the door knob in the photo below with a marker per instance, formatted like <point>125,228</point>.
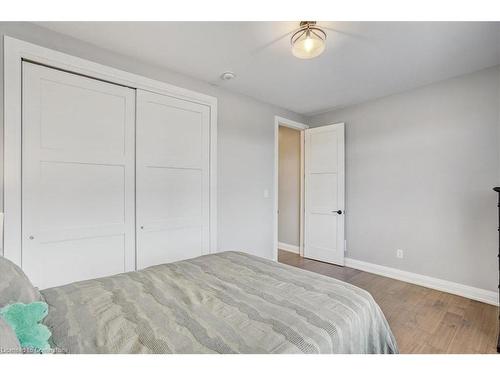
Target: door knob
<point>338,212</point>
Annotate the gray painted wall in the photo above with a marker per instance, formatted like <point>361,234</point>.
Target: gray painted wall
<point>420,167</point>
<point>289,186</point>
<point>245,141</point>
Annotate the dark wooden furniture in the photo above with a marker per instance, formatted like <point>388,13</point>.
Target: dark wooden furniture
<point>497,189</point>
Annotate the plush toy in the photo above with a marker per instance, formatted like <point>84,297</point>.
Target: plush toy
<point>24,320</point>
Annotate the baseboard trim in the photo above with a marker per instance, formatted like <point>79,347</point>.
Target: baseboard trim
<point>288,247</point>
<point>481,295</point>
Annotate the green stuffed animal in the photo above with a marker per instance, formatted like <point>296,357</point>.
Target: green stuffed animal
<point>24,320</point>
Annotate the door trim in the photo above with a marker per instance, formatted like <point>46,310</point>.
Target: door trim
<point>15,51</point>
<point>281,121</point>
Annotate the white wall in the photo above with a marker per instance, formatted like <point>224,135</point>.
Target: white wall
<point>289,186</point>
<point>420,167</point>
<point>245,141</point>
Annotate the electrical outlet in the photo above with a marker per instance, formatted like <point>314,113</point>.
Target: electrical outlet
<point>400,253</point>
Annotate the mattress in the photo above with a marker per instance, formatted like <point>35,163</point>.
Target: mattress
<point>229,302</point>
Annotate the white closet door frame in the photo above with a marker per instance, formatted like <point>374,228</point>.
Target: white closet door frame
<point>15,51</point>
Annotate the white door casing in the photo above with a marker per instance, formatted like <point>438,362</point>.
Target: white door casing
<point>173,180</point>
<point>324,194</point>
<point>77,177</point>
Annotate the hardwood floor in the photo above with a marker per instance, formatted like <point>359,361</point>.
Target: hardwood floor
<point>422,319</point>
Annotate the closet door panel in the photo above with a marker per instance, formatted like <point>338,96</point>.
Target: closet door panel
<point>73,259</point>
<point>173,193</point>
<point>172,179</point>
<point>64,186</point>
<point>82,117</point>
<point>174,135</point>
<point>78,177</point>
<point>169,244</point>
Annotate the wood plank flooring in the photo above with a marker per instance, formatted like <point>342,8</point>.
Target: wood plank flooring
<point>422,319</point>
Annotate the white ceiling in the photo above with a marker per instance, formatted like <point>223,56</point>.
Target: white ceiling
<point>363,60</point>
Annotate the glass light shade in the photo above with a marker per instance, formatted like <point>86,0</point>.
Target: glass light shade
<point>308,43</point>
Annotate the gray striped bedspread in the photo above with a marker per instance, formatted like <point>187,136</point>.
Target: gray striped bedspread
<point>228,302</point>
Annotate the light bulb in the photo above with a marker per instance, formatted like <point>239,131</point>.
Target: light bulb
<point>308,44</point>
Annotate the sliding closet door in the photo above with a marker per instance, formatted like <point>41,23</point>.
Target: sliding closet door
<point>77,177</point>
<point>172,147</point>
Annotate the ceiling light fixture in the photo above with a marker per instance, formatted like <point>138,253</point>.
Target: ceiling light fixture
<point>308,41</point>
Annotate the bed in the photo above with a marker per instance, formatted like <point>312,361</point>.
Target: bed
<point>229,302</point>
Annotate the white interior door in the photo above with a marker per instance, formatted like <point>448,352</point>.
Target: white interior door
<point>173,187</point>
<point>77,177</point>
<point>324,194</point>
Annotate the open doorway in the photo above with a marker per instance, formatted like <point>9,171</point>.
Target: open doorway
<point>289,182</point>
<point>309,215</point>
<point>289,192</point>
